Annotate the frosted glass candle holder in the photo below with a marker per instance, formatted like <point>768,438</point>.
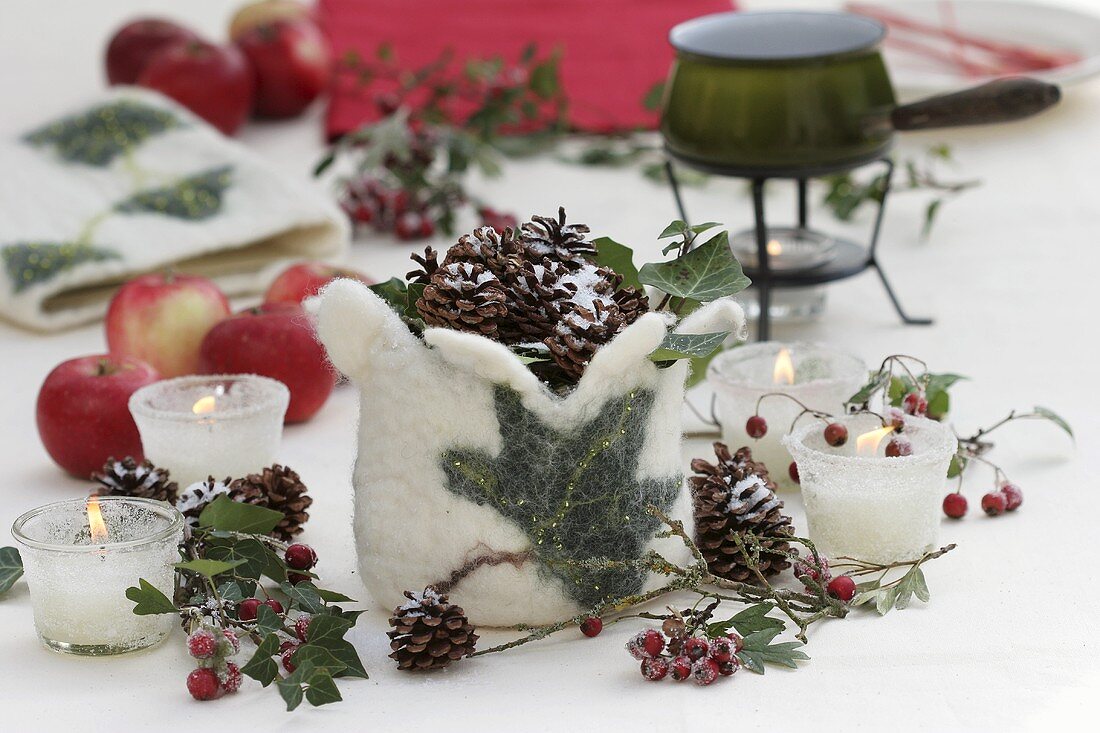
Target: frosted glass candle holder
<point>868,506</point>
<point>823,379</point>
<point>78,585</point>
<point>220,425</point>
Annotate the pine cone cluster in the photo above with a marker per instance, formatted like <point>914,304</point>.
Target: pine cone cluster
<point>130,478</point>
<point>732,496</point>
<point>428,632</point>
<point>535,286</point>
<point>280,488</point>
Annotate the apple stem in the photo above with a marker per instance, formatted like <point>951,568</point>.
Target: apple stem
<point>104,368</point>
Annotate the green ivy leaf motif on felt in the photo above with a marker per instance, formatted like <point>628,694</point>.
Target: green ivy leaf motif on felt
<point>98,136</point>
<point>30,263</point>
<point>574,494</point>
<point>194,198</point>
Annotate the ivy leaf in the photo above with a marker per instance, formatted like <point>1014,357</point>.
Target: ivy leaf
<point>208,568</point>
<point>322,689</point>
<point>193,198</point>
<point>234,516</point>
<point>617,257</point>
<point>232,591</point>
<point>877,381</point>
<point>327,632</point>
<point>699,366</point>
<point>394,292</point>
<point>330,596</point>
<point>290,687</point>
<point>149,600</point>
<point>267,621</point>
<point>1048,414</point>
<point>305,595</point>
<point>11,567</point>
<point>758,651</point>
<point>706,273</point>
<point>261,667</point>
<point>687,345</point>
<point>319,657</point>
<point>544,82</point>
<point>250,556</point>
<point>680,228</point>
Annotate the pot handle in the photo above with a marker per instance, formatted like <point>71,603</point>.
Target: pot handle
<point>1002,100</point>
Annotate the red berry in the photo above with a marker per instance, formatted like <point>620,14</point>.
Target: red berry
<point>300,557</point>
<point>202,644</point>
<point>805,568</point>
<point>842,587</point>
<point>274,605</point>
<point>654,669</point>
<point>898,447</point>
<point>792,471</point>
<point>1013,497</point>
<point>644,644</point>
<point>296,578</point>
<point>246,609</point>
<point>895,418</point>
<point>722,649</point>
<point>954,505</point>
<point>728,668</point>
<point>836,434</point>
<point>232,677</point>
<point>756,427</point>
<point>680,668</point>
<point>364,212</point>
<point>232,643</point>
<point>301,626</point>
<point>695,648</point>
<point>408,225</point>
<point>427,228</point>
<point>592,626</point>
<point>203,684</point>
<point>736,640</point>
<point>288,652</point>
<point>704,671</point>
<point>915,404</point>
<point>994,503</point>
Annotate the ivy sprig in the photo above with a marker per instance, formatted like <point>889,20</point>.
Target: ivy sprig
<point>11,568</point>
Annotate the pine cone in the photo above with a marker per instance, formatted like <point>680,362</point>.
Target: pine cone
<point>545,236</point>
<point>280,488</point>
<point>580,334</point>
<point>130,478</point>
<point>735,495</point>
<point>195,497</point>
<point>428,632</point>
<point>484,246</point>
<point>429,263</point>
<point>465,297</point>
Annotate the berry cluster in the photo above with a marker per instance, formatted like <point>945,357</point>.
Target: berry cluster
<point>1006,497</point>
<point>682,652</point>
<point>215,675</point>
<point>369,200</point>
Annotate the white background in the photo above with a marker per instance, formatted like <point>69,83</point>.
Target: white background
<point>1010,276</point>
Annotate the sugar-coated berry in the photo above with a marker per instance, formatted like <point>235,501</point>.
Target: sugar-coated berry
<point>954,505</point>
<point>231,641</point>
<point>274,605</point>
<point>806,568</point>
<point>704,671</point>
<point>246,609</point>
<point>895,418</point>
<point>836,434</point>
<point>301,626</point>
<point>792,471</point>
<point>994,503</point>
<point>674,627</point>
<point>300,557</point>
<point>722,649</point>
<point>288,652</point>
<point>898,447</point>
<point>202,644</point>
<point>232,681</point>
<point>736,640</point>
<point>1013,496</point>
<point>591,626</point>
<point>729,667</point>
<point>756,427</point>
<point>842,587</point>
<point>695,648</point>
<point>654,669</point>
<point>914,403</point>
<point>680,667</point>
<point>203,684</point>
<point>646,644</point>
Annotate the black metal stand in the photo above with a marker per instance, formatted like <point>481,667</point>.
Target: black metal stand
<point>850,258</point>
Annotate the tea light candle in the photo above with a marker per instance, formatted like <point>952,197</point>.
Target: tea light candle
<point>789,248</point>
<point>861,504</point>
<point>820,377</point>
<point>79,558</point>
<point>220,425</point>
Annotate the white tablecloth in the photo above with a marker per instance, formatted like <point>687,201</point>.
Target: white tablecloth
<point>1008,639</point>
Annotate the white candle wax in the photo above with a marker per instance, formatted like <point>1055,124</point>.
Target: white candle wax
<point>78,583</point>
<point>220,425</point>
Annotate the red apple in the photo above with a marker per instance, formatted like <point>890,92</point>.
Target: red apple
<point>292,65</point>
<point>300,281</point>
<point>83,411</point>
<point>265,11</point>
<point>275,340</point>
<point>214,82</point>
<point>162,319</point>
<point>133,46</point>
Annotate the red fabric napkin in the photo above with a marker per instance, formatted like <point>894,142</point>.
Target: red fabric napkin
<point>613,51</point>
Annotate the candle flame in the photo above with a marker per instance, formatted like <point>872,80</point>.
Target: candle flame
<point>96,524</point>
<point>784,368</point>
<point>204,405</point>
<point>868,443</point>
<point>775,247</point>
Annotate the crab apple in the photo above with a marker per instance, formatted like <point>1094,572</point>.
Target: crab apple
<point>592,626</point>
<point>680,667</point>
<point>914,403</point>
<point>654,669</point>
<point>994,503</point>
<point>1013,496</point>
<point>756,427</point>
<point>203,684</point>
<point>792,471</point>
<point>842,587</point>
<point>954,505</point>
<point>899,447</point>
<point>836,434</point>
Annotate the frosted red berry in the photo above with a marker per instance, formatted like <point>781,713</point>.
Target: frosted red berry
<point>805,568</point>
<point>202,644</point>
<point>232,643</point>
<point>274,605</point>
<point>836,434</point>
<point>729,667</point>
<point>895,418</point>
<point>591,626</point>
<point>756,427</point>
<point>994,503</point>
<point>203,684</point>
<point>736,640</point>
<point>246,609</point>
<point>842,587</point>
<point>1013,497</point>
<point>232,681</point>
<point>301,626</point>
<point>695,648</point>
<point>288,652</point>
<point>954,505</point>
<point>792,471</point>
<point>645,644</point>
<point>898,447</point>
<point>704,671</point>
<point>654,669</point>
<point>680,668</point>
<point>914,404</point>
<point>300,557</point>
<point>722,649</point>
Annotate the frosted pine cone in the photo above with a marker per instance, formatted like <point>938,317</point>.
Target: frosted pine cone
<point>130,478</point>
<point>428,632</point>
<point>545,236</point>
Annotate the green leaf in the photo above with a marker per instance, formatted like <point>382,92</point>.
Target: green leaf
<point>679,228</point>
<point>544,81</point>
<point>233,591</point>
<point>886,599</point>
<point>330,596</point>
<point>957,465</point>
<point>755,618</point>
<point>319,657</point>
<point>920,587</point>
<point>208,568</point>
<point>254,557</point>
<point>322,689</point>
<point>930,212</point>
<point>687,345</point>
<point>1048,414</point>
<point>394,291</point>
<point>653,96</point>
<point>267,621</point>
<point>699,366</point>
<point>290,687</point>
<point>617,257</point>
<point>149,600</point>
<point>877,381</point>
<point>324,163</point>
<point>327,631</point>
<point>261,667</point>
<point>193,198</point>
<point>706,273</point>
<point>11,567</point>
<point>305,596</point>
<point>758,651</point>
<point>34,262</point>
<point>234,516</point>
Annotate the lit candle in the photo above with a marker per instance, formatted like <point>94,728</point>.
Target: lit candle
<point>861,503</point>
<point>788,248</point>
<point>818,376</point>
<point>222,425</point>
<point>80,557</point>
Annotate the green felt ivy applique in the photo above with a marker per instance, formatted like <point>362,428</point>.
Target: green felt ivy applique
<point>574,494</point>
<point>30,263</point>
<point>99,135</point>
<point>194,197</point>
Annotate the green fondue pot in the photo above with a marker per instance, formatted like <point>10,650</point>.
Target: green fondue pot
<point>773,92</point>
